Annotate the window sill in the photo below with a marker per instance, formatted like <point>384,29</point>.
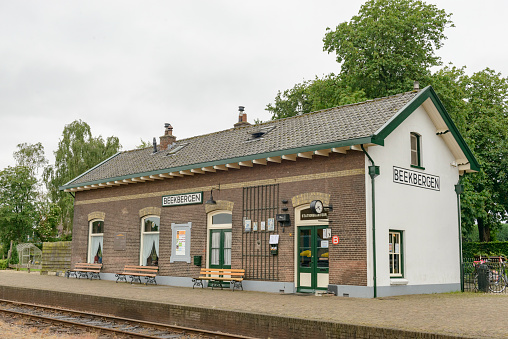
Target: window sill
<point>398,281</point>
<point>418,167</point>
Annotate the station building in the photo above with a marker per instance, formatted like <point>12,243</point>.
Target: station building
<point>358,199</point>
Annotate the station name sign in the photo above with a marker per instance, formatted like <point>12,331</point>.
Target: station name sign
<point>416,179</point>
<point>182,199</point>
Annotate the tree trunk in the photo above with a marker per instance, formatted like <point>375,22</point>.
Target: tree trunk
<point>9,253</point>
<point>483,230</point>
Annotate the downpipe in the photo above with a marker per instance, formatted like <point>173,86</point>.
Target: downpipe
<point>459,189</point>
<point>373,172</point>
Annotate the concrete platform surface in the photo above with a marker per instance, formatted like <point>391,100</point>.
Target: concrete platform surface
<point>475,315</point>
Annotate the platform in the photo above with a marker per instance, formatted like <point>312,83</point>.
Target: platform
<point>273,315</point>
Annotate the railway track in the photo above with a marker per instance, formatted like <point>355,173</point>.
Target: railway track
<point>104,324</point>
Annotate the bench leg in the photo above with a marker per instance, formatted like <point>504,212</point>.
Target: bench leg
<point>95,275</point>
<point>68,274</point>
<point>237,284</point>
<point>135,278</point>
<point>121,277</point>
<point>197,282</point>
<point>82,275</point>
<point>150,280</point>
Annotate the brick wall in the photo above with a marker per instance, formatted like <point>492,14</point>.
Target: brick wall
<point>241,323</point>
<point>341,176</point>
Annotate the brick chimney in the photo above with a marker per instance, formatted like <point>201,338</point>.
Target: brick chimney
<point>168,138</point>
<point>242,118</point>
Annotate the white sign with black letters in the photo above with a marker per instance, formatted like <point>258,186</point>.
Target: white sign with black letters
<point>182,199</point>
<point>416,179</point>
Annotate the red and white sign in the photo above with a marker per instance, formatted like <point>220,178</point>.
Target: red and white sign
<point>335,240</point>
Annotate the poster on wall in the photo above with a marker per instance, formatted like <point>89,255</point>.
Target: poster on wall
<point>247,225</point>
<point>263,225</point>
<point>255,226</point>
<point>271,224</point>
<point>180,242</point>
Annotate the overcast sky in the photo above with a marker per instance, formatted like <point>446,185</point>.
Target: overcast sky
<point>128,67</point>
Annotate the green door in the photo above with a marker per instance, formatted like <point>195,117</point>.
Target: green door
<point>313,271</point>
<point>220,248</point>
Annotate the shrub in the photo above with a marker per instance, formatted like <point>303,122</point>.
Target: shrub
<point>493,248</point>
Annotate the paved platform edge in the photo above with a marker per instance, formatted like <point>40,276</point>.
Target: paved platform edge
<point>235,322</point>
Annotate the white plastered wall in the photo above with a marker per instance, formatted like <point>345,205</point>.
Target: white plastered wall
<point>428,219</point>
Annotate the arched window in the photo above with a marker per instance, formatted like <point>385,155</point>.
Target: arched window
<point>95,241</point>
<point>220,239</point>
<point>149,253</point>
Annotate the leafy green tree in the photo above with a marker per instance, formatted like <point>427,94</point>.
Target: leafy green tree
<point>479,106</point>
<point>31,156</point>
<point>382,51</point>
<point>309,96</point>
<point>18,195</point>
<point>388,45</point>
<point>48,219</point>
<point>487,133</point>
<point>77,152</point>
<point>144,144</point>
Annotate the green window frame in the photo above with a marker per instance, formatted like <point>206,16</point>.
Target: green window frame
<point>416,150</point>
<point>396,253</point>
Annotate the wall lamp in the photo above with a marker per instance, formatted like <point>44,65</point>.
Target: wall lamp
<point>211,201</point>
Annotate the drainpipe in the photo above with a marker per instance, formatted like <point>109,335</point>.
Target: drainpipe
<point>459,189</point>
<point>373,172</point>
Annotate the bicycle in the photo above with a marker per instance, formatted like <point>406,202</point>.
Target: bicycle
<point>498,279</point>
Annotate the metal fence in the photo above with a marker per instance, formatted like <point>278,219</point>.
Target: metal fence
<point>485,275</point>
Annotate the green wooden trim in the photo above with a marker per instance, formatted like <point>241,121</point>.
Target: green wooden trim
<point>418,167</point>
<point>304,149</point>
<point>410,107</point>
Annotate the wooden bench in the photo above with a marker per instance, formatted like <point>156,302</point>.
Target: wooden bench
<point>85,270</point>
<point>216,276</point>
<point>136,272</point>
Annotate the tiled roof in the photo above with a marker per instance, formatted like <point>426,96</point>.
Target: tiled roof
<point>349,122</point>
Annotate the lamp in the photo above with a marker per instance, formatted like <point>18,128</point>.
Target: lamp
<point>211,201</point>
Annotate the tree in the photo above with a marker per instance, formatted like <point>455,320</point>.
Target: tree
<point>144,144</point>
<point>18,194</point>
<point>382,51</point>
<point>487,133</point>
<point>77,152</point>
<point>48,219</point>
<point>30,156</point>
<point>479,106</point>
<point>309,96</point>
<point>388,45</point>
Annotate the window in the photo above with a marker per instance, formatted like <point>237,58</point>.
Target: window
<point>416,150</point>
<point>149,253</point>
<point>95,241</point>
<point>395,253</point>
<point>220,239</point>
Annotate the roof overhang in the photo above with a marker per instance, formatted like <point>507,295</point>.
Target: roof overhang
<point>428,99</point>
<point>225,164</point>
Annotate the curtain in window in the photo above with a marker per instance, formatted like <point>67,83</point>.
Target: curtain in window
<point>227,248</point>
<point>214,260</point>
<point>148,241</point>
<point>95,241</point>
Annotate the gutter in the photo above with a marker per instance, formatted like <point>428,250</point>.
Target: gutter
<point>459,189</point>
<point>373,172</point>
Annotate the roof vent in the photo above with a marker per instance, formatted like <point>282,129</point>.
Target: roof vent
<point>260,132</point>
<point>416,86</point>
